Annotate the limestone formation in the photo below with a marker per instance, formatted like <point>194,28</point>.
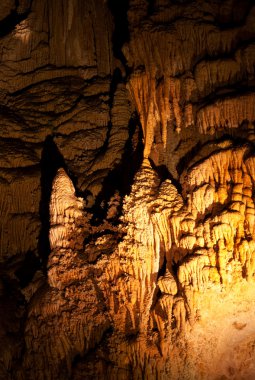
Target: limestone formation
<point>127,177</point>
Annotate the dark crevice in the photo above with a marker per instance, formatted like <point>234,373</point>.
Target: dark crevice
<point>27,269</point>
<point>121,178</point>
<point>182,164</point>
<point>51,161</point>
<point>151,7</point>
<point>164,174</point>
<point>175,268</point>
<point>119,10</point>
<point>161,170</point>
<point>8,24</point>
<point>162,270</point>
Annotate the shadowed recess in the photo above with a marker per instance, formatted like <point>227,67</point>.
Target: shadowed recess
<point>51,161</point>
<point>8,24</point>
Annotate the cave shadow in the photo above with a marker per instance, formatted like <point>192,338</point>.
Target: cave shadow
<point>163,174</point>
<point>120,34</point>
<point>51,161</point>
<point>122,176</point>
<point>9,23</point>
<point>234,136</point>
<point>27,269</point>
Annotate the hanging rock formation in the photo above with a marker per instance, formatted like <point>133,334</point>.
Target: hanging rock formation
<point>127,176</point>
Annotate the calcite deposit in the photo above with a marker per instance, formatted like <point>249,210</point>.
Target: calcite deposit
<point>127,177</point>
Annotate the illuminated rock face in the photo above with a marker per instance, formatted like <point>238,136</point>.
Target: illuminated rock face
<point>126,256</point>
<point>172,297</point>
<point>109,287</point>
<point>192,72</point>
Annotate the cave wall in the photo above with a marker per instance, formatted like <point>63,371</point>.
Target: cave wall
<point>60,105</point>
<point>127,189</point>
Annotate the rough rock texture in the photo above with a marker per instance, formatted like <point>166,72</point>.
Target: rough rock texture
<point>127,177</point>
<point>192,73</point>
<point>60,104</point>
